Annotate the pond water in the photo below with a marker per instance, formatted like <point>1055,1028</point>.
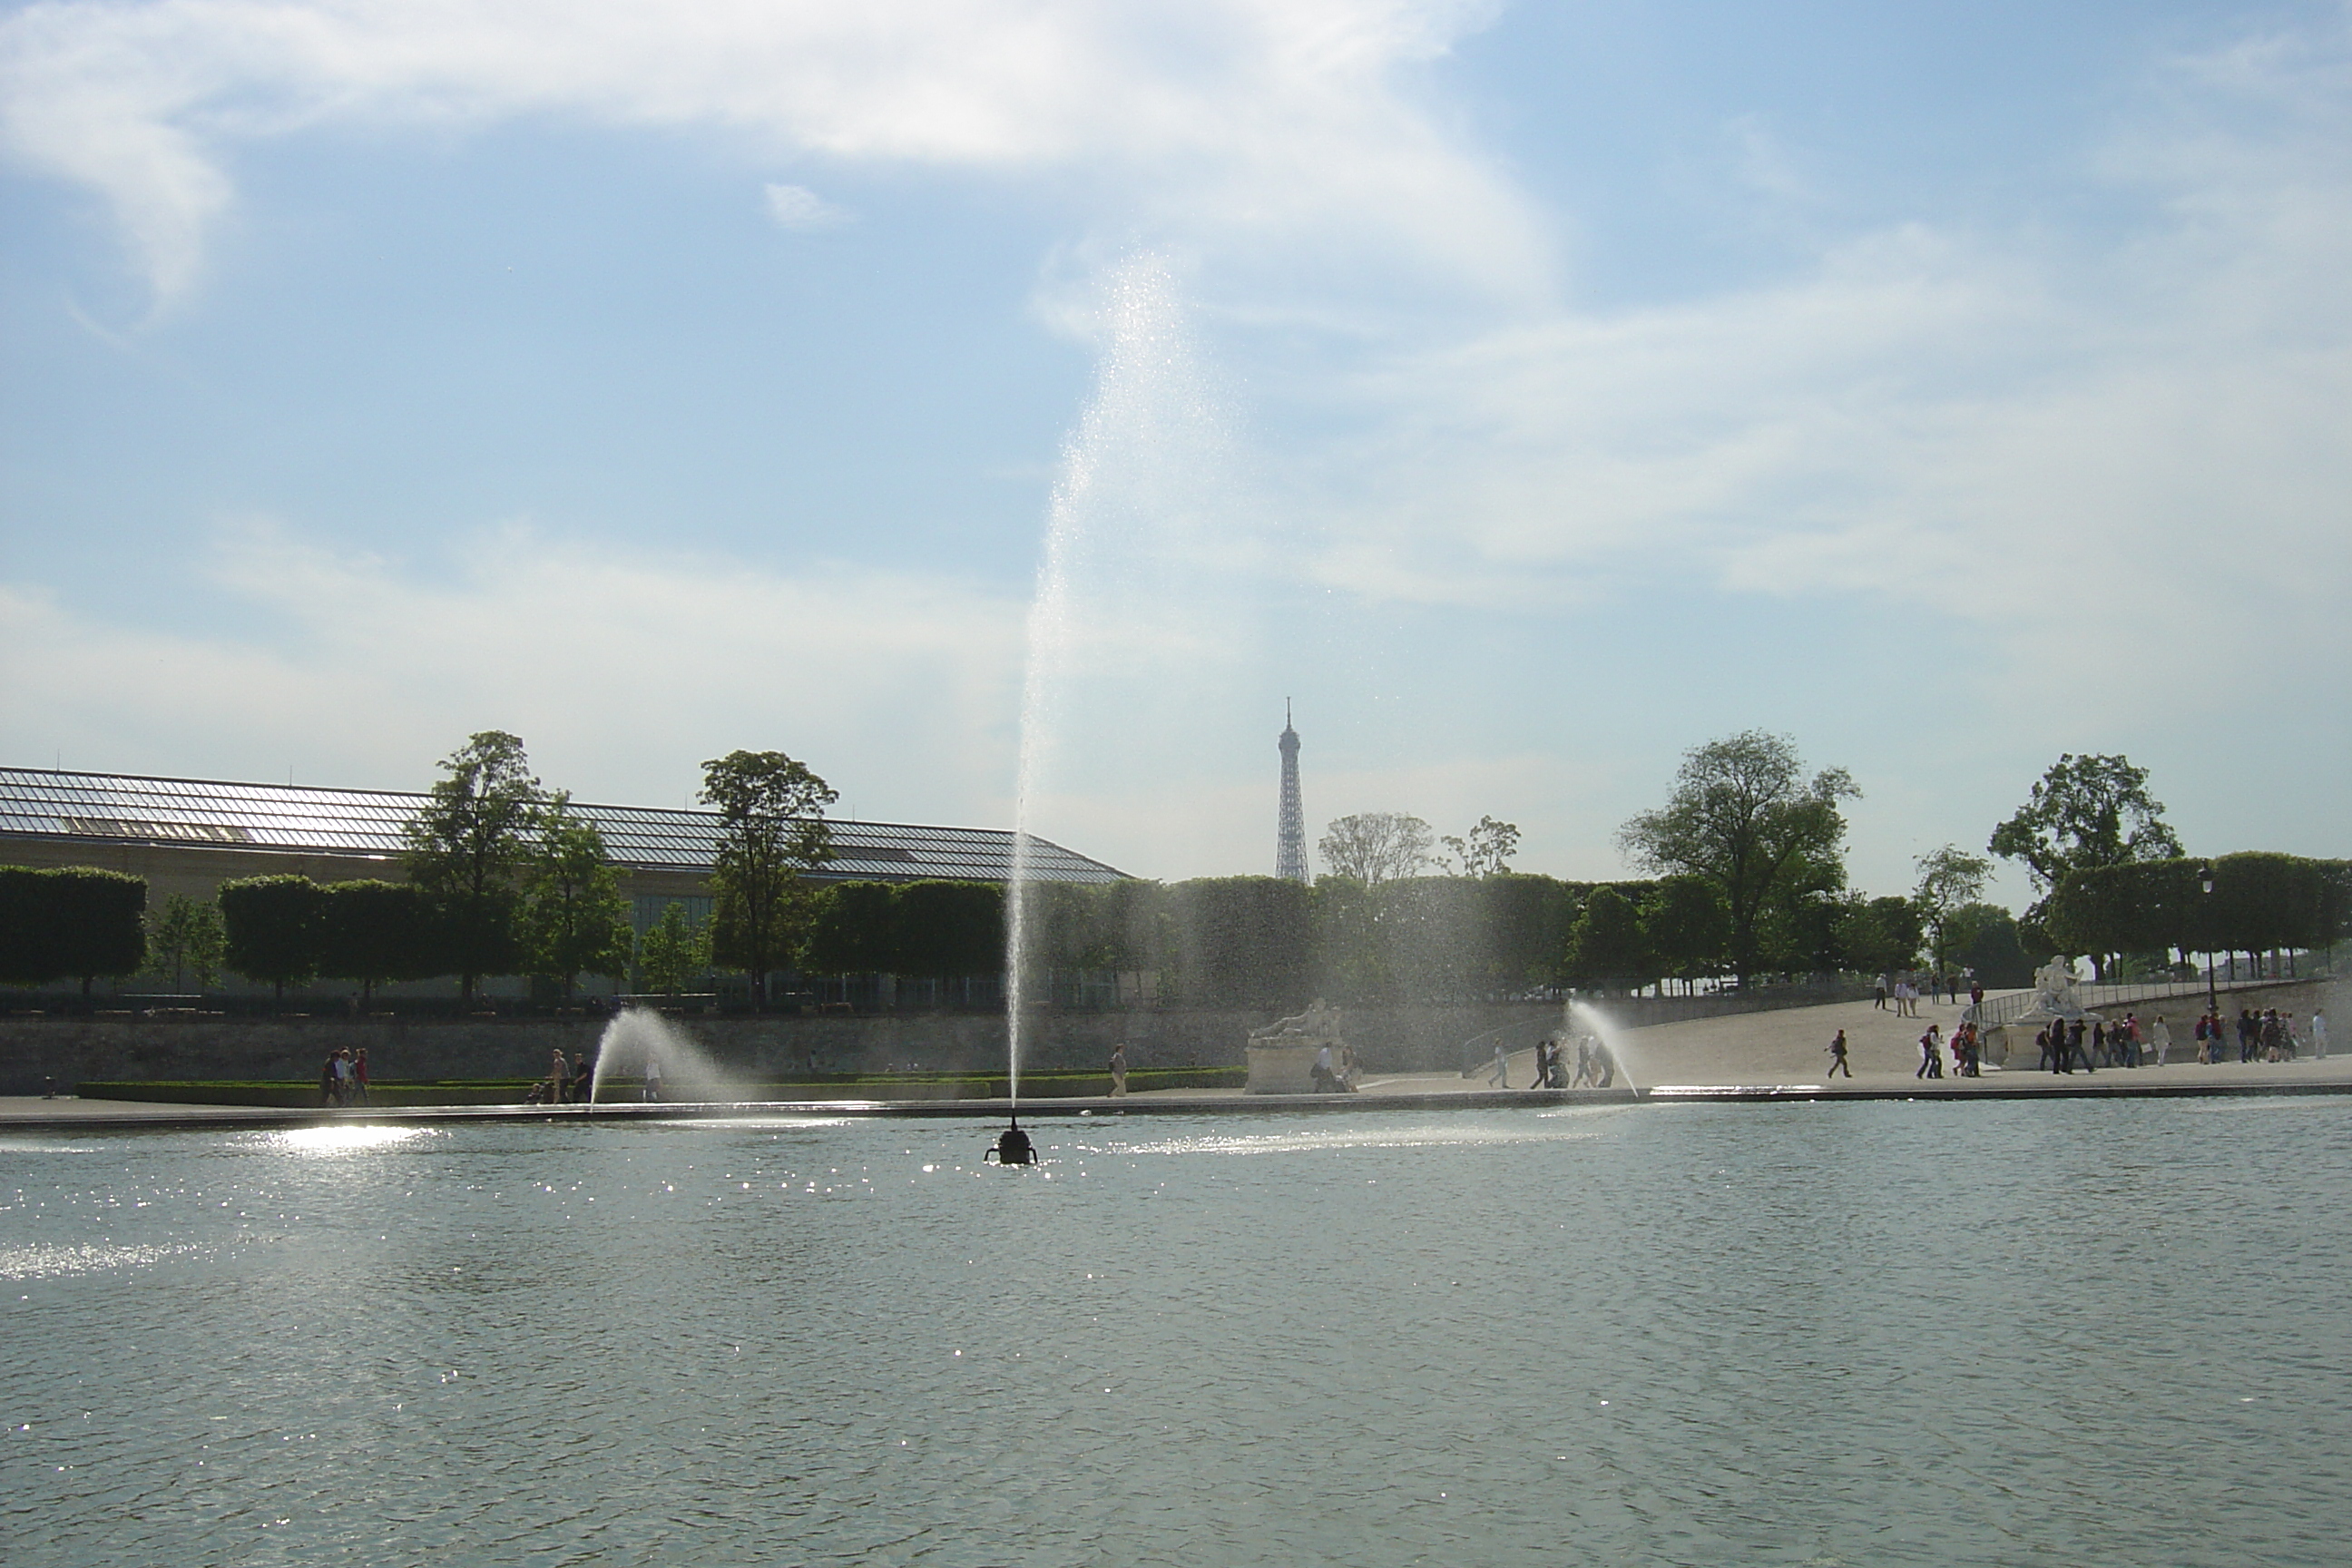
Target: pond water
<point>2069,1333</point>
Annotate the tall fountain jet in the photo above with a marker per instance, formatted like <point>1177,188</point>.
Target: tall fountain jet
<point>1290,830</point>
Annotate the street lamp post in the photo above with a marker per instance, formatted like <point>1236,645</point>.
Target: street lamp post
<point>2212,997</point>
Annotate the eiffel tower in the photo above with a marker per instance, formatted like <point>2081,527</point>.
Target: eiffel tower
<point>1290,831</point>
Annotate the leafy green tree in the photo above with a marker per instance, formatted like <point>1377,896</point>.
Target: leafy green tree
<point>574,920</point>
<point>185,938</point>
<point>1877,935</point>
<point>376,932</point>
<point>1987,940</point>
<point>1487,851</point>
<point>771,829</point>
<point>467,846</point>
<point>1745,818</point>
<point>1949,880</point>
<point>674,952</point>
<point>1375,847</point>
<point>1607,943</point>
<point>2083,814</point>
<point>274,927</point>
<point>1685,925</point>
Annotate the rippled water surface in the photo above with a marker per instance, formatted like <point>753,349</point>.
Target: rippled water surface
<point>2061,1333</point>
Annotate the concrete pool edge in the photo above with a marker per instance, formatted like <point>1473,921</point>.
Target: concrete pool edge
<point>22,1116</point>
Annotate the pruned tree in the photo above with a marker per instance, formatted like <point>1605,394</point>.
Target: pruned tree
<point>1950,878</point>
<point>467,846</point>
<point>574,921</point>
<point>1374,847</point>
<point>2085,813</point>
<point>274,927</point>
<point>71,921</point>
<point>374,931</point>
<point>1746,818</point>
<point>771,829</point>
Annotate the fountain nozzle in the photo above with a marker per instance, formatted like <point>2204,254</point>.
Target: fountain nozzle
<point>1012,1147</point>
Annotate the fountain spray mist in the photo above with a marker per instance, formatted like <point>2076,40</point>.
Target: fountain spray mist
<point>1138,522</point>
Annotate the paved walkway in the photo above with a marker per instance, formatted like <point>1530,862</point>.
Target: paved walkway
<point>1743,1056</point>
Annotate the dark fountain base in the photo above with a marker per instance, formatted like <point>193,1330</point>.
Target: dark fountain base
<point>1012,1147</point>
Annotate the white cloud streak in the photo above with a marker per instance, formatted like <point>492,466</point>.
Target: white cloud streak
<point>1237,122</point>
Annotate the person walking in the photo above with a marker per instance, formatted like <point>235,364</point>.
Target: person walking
<point>1881,998</point>
<point>1119,1068</point>
<point>1499,1072</point>
<point>2318,1034</point>
<point>2160,1033</point>
<point>1931,1054</point>
<point>649,1087</point>
<point>1838,1063</point>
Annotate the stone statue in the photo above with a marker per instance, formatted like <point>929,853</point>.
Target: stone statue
<point>1282,1055</point>
<point>2054,983</point>
<point>1320,1022</point>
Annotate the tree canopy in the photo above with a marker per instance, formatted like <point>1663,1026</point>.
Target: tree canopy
<point>274,925</point>
<point>1951,879</point>
<point>1374,847</point>
<point>1745,818</point>
<point>771,828</point>
<point>1488,849</point>
<point>2085,813</point>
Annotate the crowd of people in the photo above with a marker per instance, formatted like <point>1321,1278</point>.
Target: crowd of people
<point>2266,1034</point>
<point>1966,1045</point>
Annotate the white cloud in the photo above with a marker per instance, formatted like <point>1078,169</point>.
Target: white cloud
<point>797,206</point>
<point>1240,119</point>
<point>2067,451</point>
<point>621,672</point>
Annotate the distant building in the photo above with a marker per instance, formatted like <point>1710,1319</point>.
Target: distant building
<point>189,835</point>
<point>1290,823</point>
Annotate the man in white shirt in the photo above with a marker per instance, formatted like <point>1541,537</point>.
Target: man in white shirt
<point>2318,1034</point>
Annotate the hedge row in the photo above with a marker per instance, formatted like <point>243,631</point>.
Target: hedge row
<point>2260,903</point>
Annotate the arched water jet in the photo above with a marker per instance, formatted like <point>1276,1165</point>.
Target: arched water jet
<point>640,1042</point>
<point>1605,1029</point>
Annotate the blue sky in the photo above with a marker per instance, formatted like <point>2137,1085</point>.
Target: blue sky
<point>1531,391</point>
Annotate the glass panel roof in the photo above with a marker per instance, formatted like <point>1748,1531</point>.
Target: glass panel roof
<point>121,807</point>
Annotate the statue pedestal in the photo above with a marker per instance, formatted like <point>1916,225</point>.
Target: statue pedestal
<point>1284,1068</point>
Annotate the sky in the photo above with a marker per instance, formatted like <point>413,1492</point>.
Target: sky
<point>1525,393</point>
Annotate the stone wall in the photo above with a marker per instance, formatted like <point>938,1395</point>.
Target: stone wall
<point>149,1050</point>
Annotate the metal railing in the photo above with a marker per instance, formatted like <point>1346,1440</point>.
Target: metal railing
<point>1995,1011</point>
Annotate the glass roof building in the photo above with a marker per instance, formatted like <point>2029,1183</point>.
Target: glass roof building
<point>96,816</point>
